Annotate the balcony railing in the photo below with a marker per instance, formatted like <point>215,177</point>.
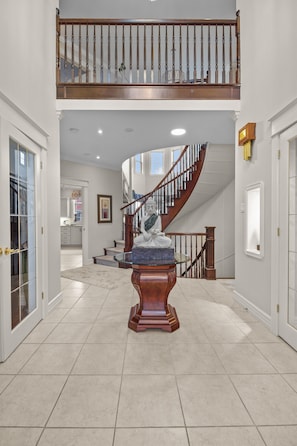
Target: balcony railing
<point>148,59</point>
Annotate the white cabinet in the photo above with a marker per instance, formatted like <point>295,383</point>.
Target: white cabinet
<point>75,235</point>
<point>71,235</point>
<point>65,235</point>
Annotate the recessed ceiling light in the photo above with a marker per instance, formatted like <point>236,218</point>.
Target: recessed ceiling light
<point>73,130</point>
<point>98,157</point>
<point>100,131</point>
<point>129,130</point>
<point>178,132</point>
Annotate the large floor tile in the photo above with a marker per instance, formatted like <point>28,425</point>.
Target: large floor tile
<point>76,437</point>
<point>108,333</point>
<point>40,333</point>
<point>113,314</point>
<point>188,333</point>
<point>225,436</point>
<point>82,315</point>
<point>68,333</point>
<point>292,380</point>
<point>56,315</point>
<point>29,400</point>
<point>223,333</point>
<point>281,356</point>
<point>21,436</point>
<point>97,359</point>
<point>149,401</point>
<point>52,359</point>
<point>279,435</point>
<point>88,302</point>
<point>4,381</point>
<point>268,398</point>
<point>151,437</point>
<point>195,359</point>
<point>17,359</point>
<point>148,359</point>
<point>243,358</point>
<point>151,336</point>
<point>211,401</point>
<point>87,401</point>
<point>257,332</point>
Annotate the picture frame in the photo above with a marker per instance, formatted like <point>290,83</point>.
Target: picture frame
<point>104,208</point>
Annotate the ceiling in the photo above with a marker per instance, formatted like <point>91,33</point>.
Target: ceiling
<point>126,129</point>
<point>126,132</point>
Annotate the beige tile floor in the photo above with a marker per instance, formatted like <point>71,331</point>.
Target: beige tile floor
<point>82,378</point>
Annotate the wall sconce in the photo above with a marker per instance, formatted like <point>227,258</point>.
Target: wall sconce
<point>245,137</point>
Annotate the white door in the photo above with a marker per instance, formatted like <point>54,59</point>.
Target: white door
<point>20,296</point>
<point>288,237</point>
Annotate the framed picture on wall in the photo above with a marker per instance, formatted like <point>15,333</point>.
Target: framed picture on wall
<point>104,208</point>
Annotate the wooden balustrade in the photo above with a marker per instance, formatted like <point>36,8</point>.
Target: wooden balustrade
<point>117,52</point>
<point>199,247</point>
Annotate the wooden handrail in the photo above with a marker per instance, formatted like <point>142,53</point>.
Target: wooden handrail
<point>107,21</point>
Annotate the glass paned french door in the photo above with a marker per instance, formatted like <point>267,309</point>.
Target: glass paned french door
<point>22,232</point>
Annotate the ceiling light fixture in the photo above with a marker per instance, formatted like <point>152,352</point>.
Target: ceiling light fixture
<point>100,131</point>
<point>98,157</point>
<point>178,132</point>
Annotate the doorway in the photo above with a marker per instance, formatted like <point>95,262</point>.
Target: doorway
<point>20,241</point>
<point>288,237</point>
<point>73,223</point>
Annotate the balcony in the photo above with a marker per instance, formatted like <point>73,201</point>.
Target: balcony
<point>148,59</point>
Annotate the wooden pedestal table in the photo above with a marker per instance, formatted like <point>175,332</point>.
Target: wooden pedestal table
<point>153,283</point>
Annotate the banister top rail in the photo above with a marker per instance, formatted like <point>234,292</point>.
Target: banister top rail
<point>99,21</point>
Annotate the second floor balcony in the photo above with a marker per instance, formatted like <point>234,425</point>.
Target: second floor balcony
<point>148,59</point>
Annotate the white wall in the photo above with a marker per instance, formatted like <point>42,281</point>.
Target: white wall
<point>218,212</point>
<point>145,9</point>
<point>268,75</point>
<point>27,87</point>
<point>103,182</point>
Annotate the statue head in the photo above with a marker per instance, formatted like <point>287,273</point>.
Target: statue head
<point>150,206</point>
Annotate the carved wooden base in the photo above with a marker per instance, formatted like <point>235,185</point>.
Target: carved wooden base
<point>138,321</point>
<point>153,284</point>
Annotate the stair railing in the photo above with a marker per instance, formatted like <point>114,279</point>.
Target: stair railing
<point>167,191</point>
<point>199,247</point>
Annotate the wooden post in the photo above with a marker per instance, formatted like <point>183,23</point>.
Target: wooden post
<point>238,64</point>
<point>210,271</point>
<point>128,232</point>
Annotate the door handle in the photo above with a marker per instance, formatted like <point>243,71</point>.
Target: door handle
<point>8,251</point>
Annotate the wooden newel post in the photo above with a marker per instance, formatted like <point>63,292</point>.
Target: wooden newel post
<point>210,271</point>
<point>128,232</point>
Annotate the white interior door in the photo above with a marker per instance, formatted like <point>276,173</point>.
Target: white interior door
<point>20,296</point>
<point>288,237</point>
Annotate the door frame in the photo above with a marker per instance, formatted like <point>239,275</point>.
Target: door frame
<point>283,130</point>
<point>10,339</point>
<point>85,234</point>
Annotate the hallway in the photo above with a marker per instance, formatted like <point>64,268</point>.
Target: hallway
<point>82,378</point>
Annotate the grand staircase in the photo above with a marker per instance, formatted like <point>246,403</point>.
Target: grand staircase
<point>170,194</point>
<point>200,173</point>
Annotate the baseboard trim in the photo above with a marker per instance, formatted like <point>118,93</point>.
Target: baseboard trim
<point>257,312</point>
<point>55,301</point>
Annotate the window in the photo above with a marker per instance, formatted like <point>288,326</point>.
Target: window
<point>138,164</point>
<point>175,155</point>
<point>157,163</point>
<point>254,220</point>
